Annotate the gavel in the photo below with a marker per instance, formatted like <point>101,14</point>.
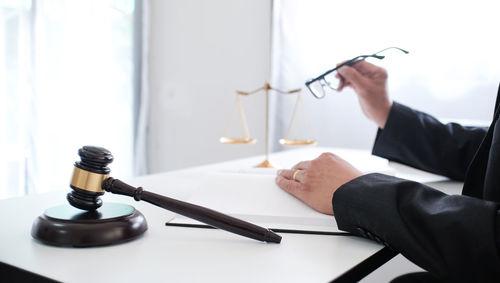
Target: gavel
<point>91,180</point>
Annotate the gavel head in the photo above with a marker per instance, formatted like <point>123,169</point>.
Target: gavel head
<point>88,176</point>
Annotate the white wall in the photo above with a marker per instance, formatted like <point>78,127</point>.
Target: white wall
<point>200,53</point>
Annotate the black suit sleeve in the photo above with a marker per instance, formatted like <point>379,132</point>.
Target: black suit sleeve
<point>454,237</point>
<point>421,141</point>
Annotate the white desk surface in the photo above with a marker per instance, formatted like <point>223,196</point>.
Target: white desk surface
<point>174,254</point>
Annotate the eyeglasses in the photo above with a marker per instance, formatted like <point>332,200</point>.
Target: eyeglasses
<point>333,80</point>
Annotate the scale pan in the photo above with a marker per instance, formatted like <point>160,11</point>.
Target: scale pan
<point>297,142</point>
<point>227,140</point>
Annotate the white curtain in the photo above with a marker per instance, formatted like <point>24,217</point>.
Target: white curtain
<point>141,154</point>
<point>452,70</point>
<point>68,71</point>
<point>16,93</point>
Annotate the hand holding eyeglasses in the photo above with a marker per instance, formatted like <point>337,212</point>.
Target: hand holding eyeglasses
<point>370,84</point>
<point>368,81</point>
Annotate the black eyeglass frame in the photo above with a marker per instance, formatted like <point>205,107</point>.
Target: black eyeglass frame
<point>353,61</point>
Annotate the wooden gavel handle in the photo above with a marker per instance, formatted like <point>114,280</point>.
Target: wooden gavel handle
<point>197,212</point>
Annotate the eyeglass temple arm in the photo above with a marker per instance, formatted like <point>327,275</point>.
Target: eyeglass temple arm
<point>358,59</point>
<point>355,60</point>
<point>374,55</point>
<point>346,63</point>
<point>392,47</point>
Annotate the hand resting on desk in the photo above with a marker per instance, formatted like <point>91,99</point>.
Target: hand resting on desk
<point>317,180</point>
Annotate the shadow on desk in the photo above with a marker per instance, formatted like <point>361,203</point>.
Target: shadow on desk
<point>366,267</point>
<point>15,274</point>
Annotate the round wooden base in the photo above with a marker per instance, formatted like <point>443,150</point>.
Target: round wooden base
<point>112,223</point>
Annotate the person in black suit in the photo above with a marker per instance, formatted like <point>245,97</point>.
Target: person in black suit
<point>455,238</point>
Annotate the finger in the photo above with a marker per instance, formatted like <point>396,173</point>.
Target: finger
<point>286,173</point>
<point>368,69</point>
<point>341,81</point>
<point>364,66</point>
<point>293,188</point>
<point>343,62</point>
<point>303,165</point>
<point>352,75</point>
<point>343,84</point>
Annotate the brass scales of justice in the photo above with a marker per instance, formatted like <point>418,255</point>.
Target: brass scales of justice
<point>246,139</point>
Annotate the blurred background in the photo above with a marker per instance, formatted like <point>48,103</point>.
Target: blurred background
<point>154,81</point>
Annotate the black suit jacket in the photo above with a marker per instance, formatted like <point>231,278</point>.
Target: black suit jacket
<point>455,237</point>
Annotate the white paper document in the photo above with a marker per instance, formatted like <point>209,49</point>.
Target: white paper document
<point>251,194</point>
<point>257,199</point>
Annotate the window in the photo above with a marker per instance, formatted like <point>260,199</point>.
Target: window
<point>452,70</point>
<point>68,73</point>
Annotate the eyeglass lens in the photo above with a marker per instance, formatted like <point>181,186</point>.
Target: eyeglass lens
<point>333,80</point>
<point>316,89</point>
